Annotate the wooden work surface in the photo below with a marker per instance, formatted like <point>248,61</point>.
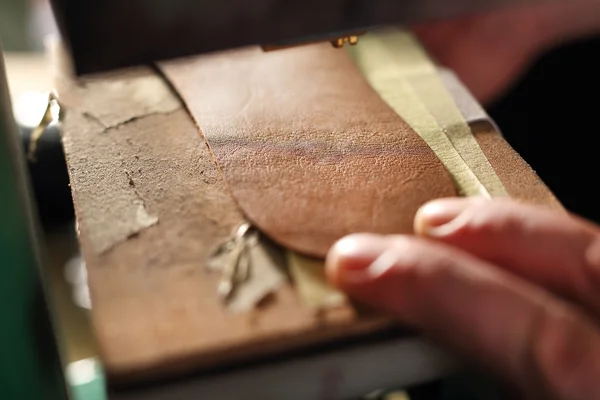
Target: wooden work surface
<point>151,204</point>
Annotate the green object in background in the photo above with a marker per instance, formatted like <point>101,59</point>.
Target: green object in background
<point>14,23</point>
<point>30,366</point>
<point>86,380</point>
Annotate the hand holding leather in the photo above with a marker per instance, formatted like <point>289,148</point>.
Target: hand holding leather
<point>511,286</point>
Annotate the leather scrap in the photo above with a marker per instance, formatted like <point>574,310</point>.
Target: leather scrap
<point>309,150</point>
<point>265,274</point>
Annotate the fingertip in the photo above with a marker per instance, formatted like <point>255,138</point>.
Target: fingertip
<point>433,217</point>
<point>353,254</point>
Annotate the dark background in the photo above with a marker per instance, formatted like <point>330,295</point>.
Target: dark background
<point>552,118</point>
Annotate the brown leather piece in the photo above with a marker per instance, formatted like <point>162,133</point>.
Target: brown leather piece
<point>311,153</point>
<point>521,182</point>
<point>155,306</point>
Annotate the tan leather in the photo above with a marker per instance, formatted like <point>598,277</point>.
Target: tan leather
<point>518,177</point>
<point>309,150</point>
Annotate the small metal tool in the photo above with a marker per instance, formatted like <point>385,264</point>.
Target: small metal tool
<point>237,269</point>
<point>51,115</point>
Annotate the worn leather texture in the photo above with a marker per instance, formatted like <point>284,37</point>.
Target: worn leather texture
<point>310,152</point>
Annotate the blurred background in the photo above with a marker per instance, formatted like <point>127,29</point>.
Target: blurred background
<point>24,24</point>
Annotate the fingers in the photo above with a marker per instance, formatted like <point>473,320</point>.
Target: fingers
<point>516,328</point>
<point>559,252</point>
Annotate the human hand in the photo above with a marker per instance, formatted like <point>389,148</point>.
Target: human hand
<point>514,288</point>
<point>490,51</point>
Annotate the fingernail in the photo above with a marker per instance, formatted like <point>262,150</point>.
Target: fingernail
<point>436,214</point>
<point>353,255</point>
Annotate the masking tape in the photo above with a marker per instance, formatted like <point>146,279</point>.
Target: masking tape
<point>311,284</point>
